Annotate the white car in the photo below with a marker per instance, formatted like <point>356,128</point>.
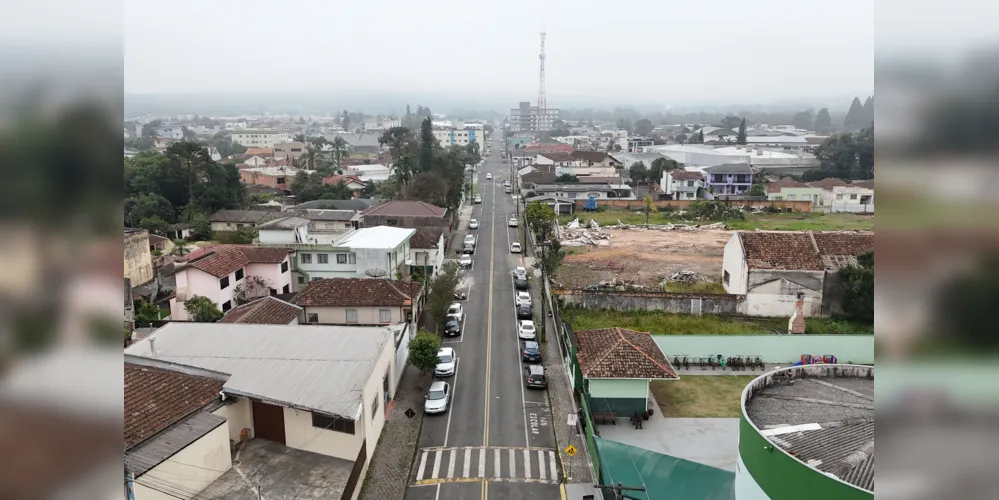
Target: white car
<point>506,183</point>
<point>470,239</point>
<point>520,271</point>
<point>473,224</point>
<point>477,199</point>
<point>522,298</point>
<point>446,361</point>
<point>513,222</point>
<point>465,261</point>
<point>526,330</point>
<point>438,397</point>
<point>489,177</point>
<point>514,247</point>
<point>456,309</point>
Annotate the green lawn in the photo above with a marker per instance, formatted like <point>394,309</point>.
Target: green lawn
<point>662,323</point>
<point>701,396</point>
<point>799,221</point>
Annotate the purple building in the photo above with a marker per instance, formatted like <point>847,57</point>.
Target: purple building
<point>728,179</point>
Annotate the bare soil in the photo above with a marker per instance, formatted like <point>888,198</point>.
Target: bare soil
<point>645,257</point>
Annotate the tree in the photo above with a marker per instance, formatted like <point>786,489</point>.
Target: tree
<point>855,117</point>
<point>539,217</point>
<point>340,151</point>
<point>741,137</point>
<point>201,228</point>
<point>757,189</point>
<point>252,287</point>
<point>644,127</point>
<point>567,177</point>
<point>154,224</point>
<point>847,155</point>
<point>345,120</point>
<point>149,129</point>
<point>650,207</point>
<point>242,236</point>
<point>423,351</point>
<point>551,258</point>
<point>823,121</point>
<point>300,138</point>
<point>869,111</point>
<point>146,313</point>
<point>680,138</point>
<point>858,289</point>
<point>440,293</point>
<point>731,122</point>
<point>202,309</point>
<point>180,248</point>
<point>428,187</point>
<point>188,134</point>
<point>638,172</point>
<point>427,144</point>
<point>660,166</point>
<point>803,120</point>
<point>145,206</point>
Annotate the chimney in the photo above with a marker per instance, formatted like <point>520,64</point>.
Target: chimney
<point>152,347</point>
<point>797,322</point>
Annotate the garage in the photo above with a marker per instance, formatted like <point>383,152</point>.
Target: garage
<point>268,422</point>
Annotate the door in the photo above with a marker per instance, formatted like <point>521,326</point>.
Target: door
<point>268,422</point>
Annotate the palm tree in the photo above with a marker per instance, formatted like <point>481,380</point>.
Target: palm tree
<point>180,248</point>
<point>340,150</point>
<point>310,156</point>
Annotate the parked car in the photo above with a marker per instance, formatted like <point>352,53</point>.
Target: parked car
<point>534,377</point>
<point>513,222</point>
<point>514,247</point>
<point>524,311</point>
<point>438,397</point>
<point>456,309</point>
<point>452,326</point>
<point>526,330</point>
<point>489,177</point>
<point>523,298</point>
<point>520,271</point>
<point>477,199</point>
<point>446,362</point>
<point>530,351</point>
<point>465,262</point>
<point>506,183</point>
<point>519,282</point>
<point>468,248</point>
<point>508,190</point>
<point>473,224</point>
<point>470,239</point>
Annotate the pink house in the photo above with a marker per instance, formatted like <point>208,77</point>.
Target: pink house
<point>230,275</point>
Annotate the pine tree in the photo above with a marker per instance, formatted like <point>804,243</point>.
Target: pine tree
<point>426,145</point>
<point>700,137</point>
<point>741,138</point>
<point>869,111</point>
<point>855,117</point>
<point>822,120</point>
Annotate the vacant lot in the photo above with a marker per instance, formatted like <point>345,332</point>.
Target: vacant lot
<point>798,221</point>
<point>700,396</point>
<point>661,323</point>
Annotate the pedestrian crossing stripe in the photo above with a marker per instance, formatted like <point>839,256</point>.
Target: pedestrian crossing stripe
<point>481,463</point>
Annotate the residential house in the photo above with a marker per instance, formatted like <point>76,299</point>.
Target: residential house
<point>232,220</point>
<point>412,214</point>
<point>213,153</point>
<point>327,221</point>
<point>857,197</point>
<point>130,152</point>
<point>356,204</point>
<point>173,440</point>
<point>362,143</point>
<point>773,160</point>
<point>266,403</point>
<point>681,184</point>
<point>580,191</point>
<point>594,159</point>
<point>728,179</point>
<point>360,301</point>
<point>535,177</point>
<point>792,190</point>
<point>426,250</point>
<point>172,132</point>
<point>829,194</point>
<point>259,138</point>
<point>157,244</point>
<point>618,365</point>
<point>634,144</point>
<point>275,177</point>
<point>771,268</point>
<point>353,183</point>
<point>162,143</point>
<point>289,150</point>
<point>381,124</point>
<point>269,310</point>
<point>545,146</point>
<point>180,231</point>
<point>560,205</point>
<point>228,274</point>
<point>593,172</point>
<point>138,258</point>
<point>253,161</point>
<point>375,172</point>
<point>562,159</point>
<point>263,152</point>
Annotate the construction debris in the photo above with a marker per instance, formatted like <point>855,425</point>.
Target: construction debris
<point>575,234</point>
<point>687,277</point>
<point>717,226</point>
<point>618,285</point>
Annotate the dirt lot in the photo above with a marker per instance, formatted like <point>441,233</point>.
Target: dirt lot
<point>645,257</point>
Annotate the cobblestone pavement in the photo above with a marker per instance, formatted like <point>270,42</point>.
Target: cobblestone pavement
<point>389,471</point>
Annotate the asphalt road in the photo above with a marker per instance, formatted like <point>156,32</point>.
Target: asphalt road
<point>496,441</point>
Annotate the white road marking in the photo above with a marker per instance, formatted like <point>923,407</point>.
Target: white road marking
<point>551,462</point>
<point>450,463</point>
<point>467,467</point>
<point>541,465</point>
<point>437,464</point>
<point>454,383</point>
<point>423,466</point>
<point>513,464</point>
<point>527,464</point>
<point>482,462</point>
<point>496,463</point>
<point>523,399</point>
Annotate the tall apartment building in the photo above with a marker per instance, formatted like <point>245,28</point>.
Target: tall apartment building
<point>525,118</point>
<point>460,136</point>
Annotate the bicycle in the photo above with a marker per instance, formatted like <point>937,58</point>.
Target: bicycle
<point>758,362</point>
<point>686,363</point>
<point>702,363</point>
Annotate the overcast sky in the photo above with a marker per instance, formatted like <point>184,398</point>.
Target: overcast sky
<point>724,50</point>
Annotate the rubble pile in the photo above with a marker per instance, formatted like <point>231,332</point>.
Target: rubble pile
<point>618,285</point>
<point>687,277</point>
<point>574,235</point>
<point>670,227</point>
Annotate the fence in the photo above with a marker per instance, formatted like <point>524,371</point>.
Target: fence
<point>858,349</point>
<point>671,302</point>
<point>630,205</point>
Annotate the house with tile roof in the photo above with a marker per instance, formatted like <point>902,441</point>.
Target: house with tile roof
<point>232,220</point>
<point>229,275</point>
<point>618,365</point>
<point>406,213</point>
<point>828,195</point>
<point>269,310</point>
<point>426,250</point>
<point>360,301</point>
<point>595,158</point>
<point>774,269</point>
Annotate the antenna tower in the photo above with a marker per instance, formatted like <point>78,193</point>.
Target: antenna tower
<point>542,98</point>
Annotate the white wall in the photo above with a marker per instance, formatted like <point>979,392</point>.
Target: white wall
<point>192,469</point>
<point>239,415</point>
<point>300,434</point>
<point>365,315</point>
<point>734,262</point>
<point>772,304</point>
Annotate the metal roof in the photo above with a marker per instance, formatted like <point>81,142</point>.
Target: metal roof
<point>160,448</point>
<point>322,368</point>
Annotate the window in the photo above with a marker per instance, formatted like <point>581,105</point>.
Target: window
<point>280,180</point>
<point>312,318</point>
<point>239,274</point>
<point>284,267</point>
<point>323,258</point>
<point>351,258</point>
<point>226,305</point>
<point>384,315</point>
<point>286,289</point>
<point>301,280</point>
<point>341,258</point>
<point>839,197</point>
<point>332,423</point>
<point>392,222</point>
<point>690,183</point>
<point>351,315</point>
<point>374,407</point>
<point>306,258</point>
<point>853,197</point>
<point>223,283</point>
<point>726,277</point>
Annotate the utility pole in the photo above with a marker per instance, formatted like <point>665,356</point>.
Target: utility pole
<point>618,491</point>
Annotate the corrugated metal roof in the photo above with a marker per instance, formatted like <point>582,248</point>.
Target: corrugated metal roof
<point>323,368</point>
<point>157,450</point>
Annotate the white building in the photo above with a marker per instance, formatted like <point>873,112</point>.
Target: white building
<point>381,124</point>
<point>368,173</point>
<point>857,197</point>
<point>175,132</point>
<point>681,184</point>
<point>259,138</point>
<point>793,161</point>
<point>453,136</point>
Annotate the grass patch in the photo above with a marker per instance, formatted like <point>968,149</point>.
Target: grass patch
<point>663,323</point>
<point>798,221</point>
<point>701,396</point>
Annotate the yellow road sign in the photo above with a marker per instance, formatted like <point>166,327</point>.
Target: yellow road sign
<point>571,450</point>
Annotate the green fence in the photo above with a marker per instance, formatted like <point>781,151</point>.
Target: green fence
<point>858,349</point>
<point>591,444</point>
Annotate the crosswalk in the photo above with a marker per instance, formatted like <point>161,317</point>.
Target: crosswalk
<point>486,463</point>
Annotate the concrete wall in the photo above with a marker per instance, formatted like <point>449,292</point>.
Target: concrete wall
<point>772,348</point>
<point>621,396</point>
<point>272,274</point>
<point>734,263</point>
<point>138,259</point>
<point>300,434</point>
<point>680,303</point>
<point>191,469</point>
<point>240,416</point>
<point>795,206</point>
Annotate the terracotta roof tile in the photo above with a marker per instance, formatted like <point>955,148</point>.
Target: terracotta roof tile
<point>263,311</point>
<point>426,237</point>
<point>620,353</point>
<point>221,260</point>
<point>558,156</point>
<point>684,175</point>
<point>828,183</point>
<point>156,398</point>
<point>406,208</point>
<point>365,292</point>
<point>803,251</point>
<point>592,156</point>
<point>259,152</point>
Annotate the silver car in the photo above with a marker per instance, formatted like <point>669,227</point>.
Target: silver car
<point>438,397</point>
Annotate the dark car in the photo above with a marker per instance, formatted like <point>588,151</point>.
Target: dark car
<point>534,376</point>
<point>530,351</point>
<point>468,248</point>
<point>524,311</point>
<point>452,326</point>
<point>520,282</point>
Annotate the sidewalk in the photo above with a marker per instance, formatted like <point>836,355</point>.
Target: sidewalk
<point>390,467</point>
